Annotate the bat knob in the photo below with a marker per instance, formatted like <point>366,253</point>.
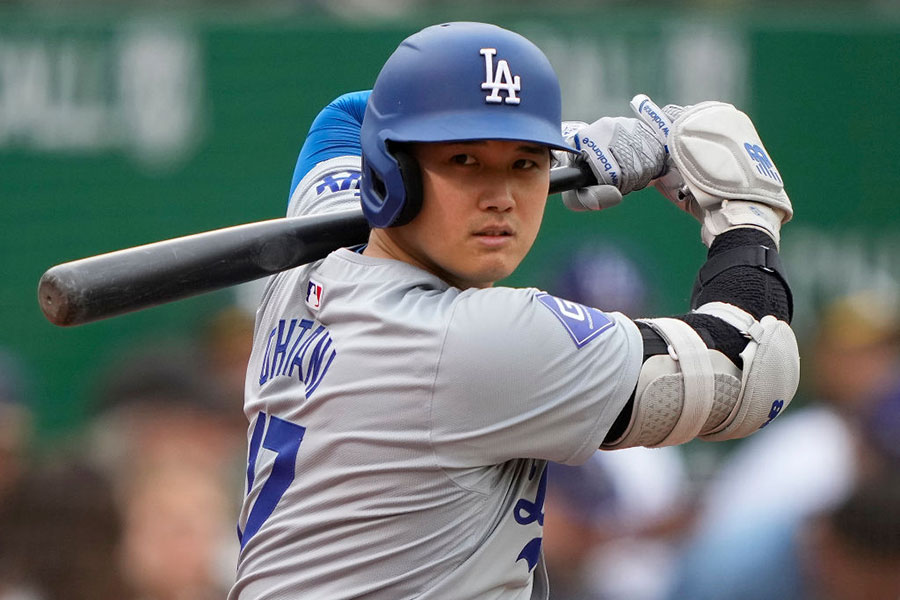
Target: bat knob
<point>54,299</point>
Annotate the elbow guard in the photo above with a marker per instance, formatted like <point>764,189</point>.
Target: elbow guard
<point>696,392</point>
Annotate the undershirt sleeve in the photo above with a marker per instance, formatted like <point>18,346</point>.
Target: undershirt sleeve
<point>333,133</point>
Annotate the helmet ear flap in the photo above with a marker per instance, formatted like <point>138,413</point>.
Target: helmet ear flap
<point>411,174</point>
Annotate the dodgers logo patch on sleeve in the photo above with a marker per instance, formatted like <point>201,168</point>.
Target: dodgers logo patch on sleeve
<point>582,322</point>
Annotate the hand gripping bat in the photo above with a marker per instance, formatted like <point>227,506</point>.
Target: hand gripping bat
<point>132,279</point>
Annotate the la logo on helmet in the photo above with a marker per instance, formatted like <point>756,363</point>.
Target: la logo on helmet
<point>502,79</point>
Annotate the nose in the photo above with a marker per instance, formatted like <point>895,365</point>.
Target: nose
<point>497,195</point>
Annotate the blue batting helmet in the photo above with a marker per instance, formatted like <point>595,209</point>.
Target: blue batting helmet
<point>451,82</point>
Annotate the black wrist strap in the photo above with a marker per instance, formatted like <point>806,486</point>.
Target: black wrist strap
<point>765,258</point>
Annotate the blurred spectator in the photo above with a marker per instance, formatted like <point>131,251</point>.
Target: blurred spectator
<point>808,457</point>
<point>176,459</point>
<point>176,519</point>
<point>611,524</point>
<point>857,350</point>
<point>160,405</point>
<point>60,534</point>
<point>15,422</point>
<point>880,450</point>
<point>603,276</point>
<point>577,497</point>
<point>226,340</point>
<point>847,552</point>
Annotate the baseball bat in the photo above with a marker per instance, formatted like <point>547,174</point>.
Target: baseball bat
<point>106,285</point>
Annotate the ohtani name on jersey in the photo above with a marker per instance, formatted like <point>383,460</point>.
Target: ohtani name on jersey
<point>298,348</point>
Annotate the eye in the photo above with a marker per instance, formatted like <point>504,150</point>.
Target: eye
<point>524,163</point>
<point>462,159</point>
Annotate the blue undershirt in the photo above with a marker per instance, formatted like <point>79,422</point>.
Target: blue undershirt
<point>333,133</point>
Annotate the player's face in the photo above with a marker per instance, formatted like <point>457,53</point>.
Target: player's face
<point>482,208</point>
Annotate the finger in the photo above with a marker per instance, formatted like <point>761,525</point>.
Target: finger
<point>596,197</point>
<point>652,115</point>
<point>593,142</point>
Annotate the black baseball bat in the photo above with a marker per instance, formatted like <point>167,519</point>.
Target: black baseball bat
<point>106,285</point>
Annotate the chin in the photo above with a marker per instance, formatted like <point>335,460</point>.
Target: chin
<point>487,275</point>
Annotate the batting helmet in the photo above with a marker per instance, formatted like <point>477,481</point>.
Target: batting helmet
<point>451,82</point>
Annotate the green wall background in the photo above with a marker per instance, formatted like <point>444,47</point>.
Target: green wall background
<point>822,94</point>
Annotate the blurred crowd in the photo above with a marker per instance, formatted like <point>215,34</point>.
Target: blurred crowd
<point>806,509</point>
<point>142,504</point>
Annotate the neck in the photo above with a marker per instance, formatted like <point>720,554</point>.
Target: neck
<point>383,245</point>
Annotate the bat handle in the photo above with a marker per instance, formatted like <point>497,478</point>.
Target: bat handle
<point>577,176</point>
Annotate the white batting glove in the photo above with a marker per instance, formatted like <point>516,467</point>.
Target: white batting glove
<point>719,171</point>
<point>623,153</point>
<point>596,197</point>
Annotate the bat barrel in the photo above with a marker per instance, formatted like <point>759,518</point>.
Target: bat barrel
<point>119,282</point>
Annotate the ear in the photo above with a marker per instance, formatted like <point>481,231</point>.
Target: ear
<point>411,174</point>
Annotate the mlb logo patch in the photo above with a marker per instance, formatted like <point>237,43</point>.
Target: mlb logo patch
<point>314,291</point>
<point>582,322</point>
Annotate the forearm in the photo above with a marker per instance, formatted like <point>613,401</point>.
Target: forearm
<point>742,269</point>
<point>755,288</point>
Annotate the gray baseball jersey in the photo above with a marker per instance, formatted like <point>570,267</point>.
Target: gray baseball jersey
<point>400,427</point>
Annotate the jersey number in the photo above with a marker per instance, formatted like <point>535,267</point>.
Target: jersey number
<point>283,438</point>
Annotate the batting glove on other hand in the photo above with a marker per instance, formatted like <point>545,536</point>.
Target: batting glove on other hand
<point>623,153</point>
<point>718,170</point>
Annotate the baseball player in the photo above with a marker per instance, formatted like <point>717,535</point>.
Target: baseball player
<point>402,409</point>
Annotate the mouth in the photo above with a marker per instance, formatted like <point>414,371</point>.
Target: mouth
<point>494,235</point>
<point>500,230</point>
